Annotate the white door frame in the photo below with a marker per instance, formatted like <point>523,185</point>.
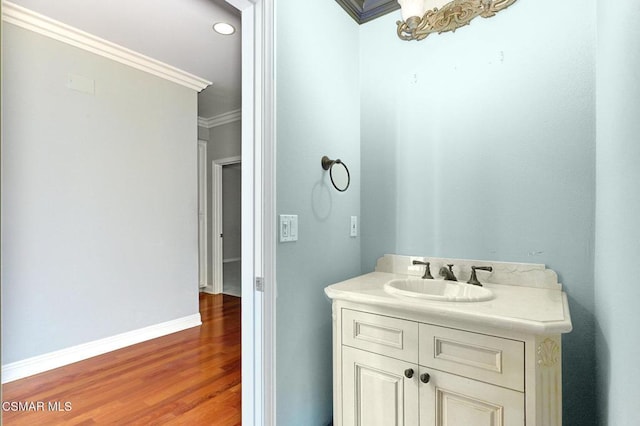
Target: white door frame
<point>203,256</point>
<point>258,213</point>
<point>216,233</point>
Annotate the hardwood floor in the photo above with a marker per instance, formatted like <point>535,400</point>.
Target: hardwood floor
<point>187,378</point>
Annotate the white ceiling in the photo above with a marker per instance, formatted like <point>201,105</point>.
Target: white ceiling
<point>177,32</point>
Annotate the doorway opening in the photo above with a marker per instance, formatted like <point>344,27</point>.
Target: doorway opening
<point>226,176</point>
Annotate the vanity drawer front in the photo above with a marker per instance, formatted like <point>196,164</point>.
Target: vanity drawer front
<point>487,358</point>
<point>383,335</point>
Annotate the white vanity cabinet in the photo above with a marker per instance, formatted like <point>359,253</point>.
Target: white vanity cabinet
<point>404,362</point>
<point>397,371</point>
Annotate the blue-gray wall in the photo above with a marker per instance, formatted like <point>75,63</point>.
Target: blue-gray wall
<point>617,212</point>
<point>318,109</point>
<point>478,144</point>
<point>99,198</point>
<point>481,144</point>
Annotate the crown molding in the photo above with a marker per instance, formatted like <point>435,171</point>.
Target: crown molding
<point>30,20</point>
<point>367,10</point>
<point>219,120</point>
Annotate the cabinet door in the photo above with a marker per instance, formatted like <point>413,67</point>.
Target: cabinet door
<point>376,391</point>
<point>449,400</point>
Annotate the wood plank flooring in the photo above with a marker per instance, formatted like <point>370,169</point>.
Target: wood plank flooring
<point>187,378</point>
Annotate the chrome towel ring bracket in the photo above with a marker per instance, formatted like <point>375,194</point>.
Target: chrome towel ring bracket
<point>339,173</point>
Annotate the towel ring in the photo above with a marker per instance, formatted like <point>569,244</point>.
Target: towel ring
<point>339,173</point>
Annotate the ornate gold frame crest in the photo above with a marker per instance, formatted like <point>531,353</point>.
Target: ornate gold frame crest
<point>449,17</point>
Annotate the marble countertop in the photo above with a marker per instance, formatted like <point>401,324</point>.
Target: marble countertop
<point>526,309</point>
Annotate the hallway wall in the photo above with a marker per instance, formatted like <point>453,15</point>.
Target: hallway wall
<point>99,198</point>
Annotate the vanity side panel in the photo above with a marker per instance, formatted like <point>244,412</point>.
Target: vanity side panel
<point>548,376</point>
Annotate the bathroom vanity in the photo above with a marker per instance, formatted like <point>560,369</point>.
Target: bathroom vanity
<point>438,358</point>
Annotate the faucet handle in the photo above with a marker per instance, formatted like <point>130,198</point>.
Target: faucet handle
<point>427,269</point>
<point>474,279</point>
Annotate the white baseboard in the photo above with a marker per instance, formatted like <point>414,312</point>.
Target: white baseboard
<point>208,289</point>
<point>49,361</point>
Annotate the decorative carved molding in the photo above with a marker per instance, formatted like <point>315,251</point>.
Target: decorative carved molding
<point>449,17</point>
<point>548,353</point>
<point>366,10</point>
<point>43,25</point>
<point>548,381</point>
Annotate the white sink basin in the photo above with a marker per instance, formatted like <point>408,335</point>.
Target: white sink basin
<point>439,290</point>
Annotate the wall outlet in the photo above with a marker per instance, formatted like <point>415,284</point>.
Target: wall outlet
<point>354,226</point>
<point>288,228</point>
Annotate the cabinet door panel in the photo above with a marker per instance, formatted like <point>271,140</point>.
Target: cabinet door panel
<point>376,391</point>
<point>449,400</point>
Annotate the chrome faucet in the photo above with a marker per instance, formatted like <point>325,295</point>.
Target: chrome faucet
<point>427,269</point>
<point>447,273</point>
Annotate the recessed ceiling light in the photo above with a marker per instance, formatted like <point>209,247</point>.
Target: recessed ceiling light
<point>224,28</point>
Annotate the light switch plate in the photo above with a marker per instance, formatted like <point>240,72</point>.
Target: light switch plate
<point>354,226</point>
<point>288,228</point>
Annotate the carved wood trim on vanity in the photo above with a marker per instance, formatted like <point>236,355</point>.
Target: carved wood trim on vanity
<point>549,380</point>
